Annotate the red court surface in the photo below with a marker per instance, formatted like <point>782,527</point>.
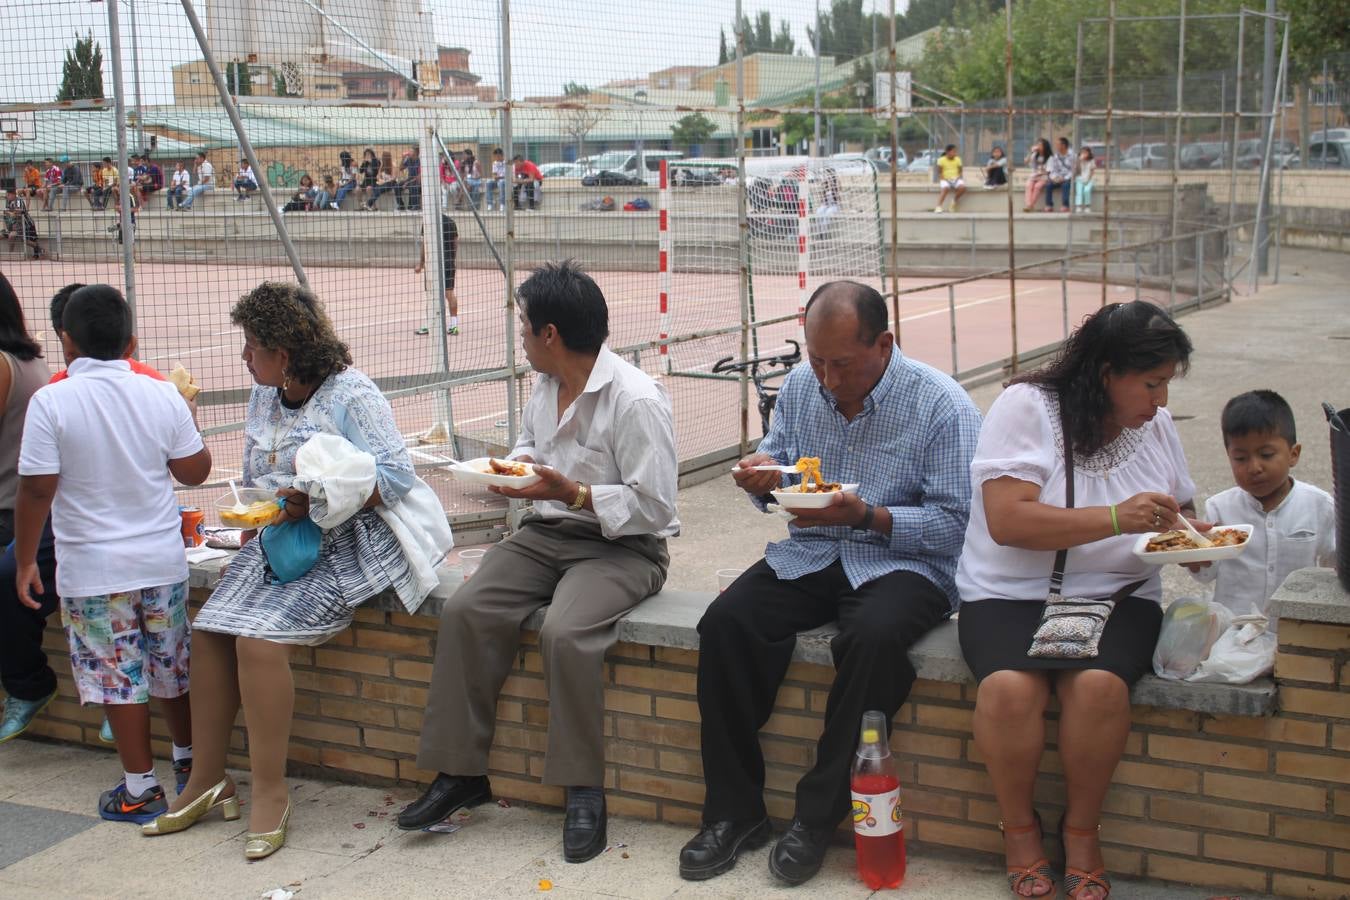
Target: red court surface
<point>183,316</point>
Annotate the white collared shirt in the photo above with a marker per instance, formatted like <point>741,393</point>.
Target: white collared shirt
<point>109,435</point>
<point>1298,533</point>
<point>618,437</point>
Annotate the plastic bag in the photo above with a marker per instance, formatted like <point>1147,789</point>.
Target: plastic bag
<point>1190,627</point>
<point>290,548</point>
<point>1245,650</point>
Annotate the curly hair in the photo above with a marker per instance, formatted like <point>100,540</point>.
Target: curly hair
<point>1119,337</point>
<point>288,317</point>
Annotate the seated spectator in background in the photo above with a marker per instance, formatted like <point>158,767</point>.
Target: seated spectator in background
<point>1082,181</point>
<point>303,198</point>
<point>1038,157</point>
<point>347,179</point>
<point>51,182</point>
<point>449,181</point>
<point>72,181</point>
<point>95,190</point>
<point>136,169</point>
<point>410,182</point>
<point>19,224</point>
<point>471,179</point>
<point>323,196</point>
<point>206,181</point>
<point>107,178</point>
<point>149,177</point>
<point>1058,175</point>
<point>996,170</point>
<point>526,175</point>
<point>245,183</point>
<point>949,168</point>
<point>384,181</point>
<point>370,175</point>
<point>32,182</point>
<point>179,187</point>
<point>497,184</point>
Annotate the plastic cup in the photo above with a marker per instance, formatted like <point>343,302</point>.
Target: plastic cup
<point>469,561</point>
<point>725,577</point>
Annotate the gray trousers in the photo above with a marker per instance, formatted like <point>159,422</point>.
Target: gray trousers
<point>587,583</point>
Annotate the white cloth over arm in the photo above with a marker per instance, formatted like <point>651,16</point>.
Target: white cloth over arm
<point>338,478</point>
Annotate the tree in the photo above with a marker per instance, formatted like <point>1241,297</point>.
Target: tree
<point>82,72</point>
<point>244,86</point>
<point>1319,30</point>
<point>693,130</point>
<point>722,56</point>
<point>761,38</point>
<point>577,119</point>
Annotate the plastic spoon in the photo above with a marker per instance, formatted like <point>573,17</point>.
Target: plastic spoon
<point>235,490</point>
<point>791,470</point>
<point>1200,540</point>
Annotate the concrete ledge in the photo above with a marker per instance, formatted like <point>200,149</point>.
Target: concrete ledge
<point>670,618</point>
<point>1313,595</point>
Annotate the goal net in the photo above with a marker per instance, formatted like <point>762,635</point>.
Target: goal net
<point>809,221</point>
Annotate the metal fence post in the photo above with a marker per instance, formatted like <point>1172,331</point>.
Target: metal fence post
<point>951,311</point>
<point>508,151</point>
<point>125,222</point>
<point>1012,238</point>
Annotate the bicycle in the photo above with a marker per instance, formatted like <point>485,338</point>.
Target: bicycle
<point>768,394</point>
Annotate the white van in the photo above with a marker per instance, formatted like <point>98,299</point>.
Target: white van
<point>626,161</point>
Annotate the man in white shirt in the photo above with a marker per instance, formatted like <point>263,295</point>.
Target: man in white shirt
<point>206,181</point>
<point>181,184</point>
<point>600,434</point>
<point>1294,522</point>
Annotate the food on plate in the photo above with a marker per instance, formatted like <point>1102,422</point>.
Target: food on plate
<point>1180,540</point>
<point>507,467</point>
<point>250,515</point>
<point>183,380</point>
<point>812,482</point>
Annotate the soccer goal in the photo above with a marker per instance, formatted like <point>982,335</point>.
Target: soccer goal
<point>807,221</point>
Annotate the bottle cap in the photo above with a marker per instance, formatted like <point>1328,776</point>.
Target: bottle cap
<point>870,736</point>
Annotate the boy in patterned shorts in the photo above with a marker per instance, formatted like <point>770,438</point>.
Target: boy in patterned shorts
<point>100,451</point>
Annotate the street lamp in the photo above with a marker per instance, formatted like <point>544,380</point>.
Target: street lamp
<point>640,96</point>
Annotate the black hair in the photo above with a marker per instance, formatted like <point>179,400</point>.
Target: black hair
<point>868,305</point>
<point>1044,149</point>
<point>1259,412</point>
<point>1119,338</point>
<point>58,306</point>
<point>98,321</point>
<point>497,150</point>
<point>14,337</point>
<point>949,148</point>
<point>999,148</point>
<point>1087,150</point>
<point>562,295</point>
<point>201,154</point>
<point>1065,141</point>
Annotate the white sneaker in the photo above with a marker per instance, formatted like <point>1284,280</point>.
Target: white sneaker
<point>938,209</point>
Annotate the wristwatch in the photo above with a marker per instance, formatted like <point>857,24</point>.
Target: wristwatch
<point>582,493</point>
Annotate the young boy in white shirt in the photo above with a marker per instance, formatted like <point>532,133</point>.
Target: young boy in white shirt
<point>1294,522</point>
<point>100,451</point>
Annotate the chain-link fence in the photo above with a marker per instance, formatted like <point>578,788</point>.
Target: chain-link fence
<point>709,165</point>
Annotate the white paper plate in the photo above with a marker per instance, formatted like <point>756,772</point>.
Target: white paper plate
<point>790,499</point>
<point>475,471</point>
<point>1209,554</point>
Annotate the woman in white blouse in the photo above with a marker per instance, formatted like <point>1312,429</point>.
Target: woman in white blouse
<point>1129,477</point>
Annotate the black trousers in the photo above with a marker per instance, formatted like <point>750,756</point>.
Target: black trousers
<point>746,639</point>
<point>24,672</point>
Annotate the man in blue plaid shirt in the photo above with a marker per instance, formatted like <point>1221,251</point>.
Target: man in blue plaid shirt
<point>881,562</point>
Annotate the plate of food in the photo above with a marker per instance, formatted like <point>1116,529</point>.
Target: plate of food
<point>1162,547</point>
<point>501,472</point>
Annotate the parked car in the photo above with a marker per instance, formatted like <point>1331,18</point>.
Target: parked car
<point>1335,135</point>
<point>879,164</point>
<point>1203,154</point>
<point>924,162</point>
<point>607,178</point>
<point>562,170</point>
<point>1147,156</point>
<point>1283,154</point>
<point>626,161</point>
<point>685,176</point>
<point>883,155</point>
<point>1328,155</point>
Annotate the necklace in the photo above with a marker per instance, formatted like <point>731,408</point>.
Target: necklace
<point>277,436</point>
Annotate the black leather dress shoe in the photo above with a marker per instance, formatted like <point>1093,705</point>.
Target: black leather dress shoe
<point>445,795</point>
<point>797,856</point>
<point>714,849</point>
<point>585,827</point>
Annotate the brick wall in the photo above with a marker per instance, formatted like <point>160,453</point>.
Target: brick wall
<point>1258,804</point>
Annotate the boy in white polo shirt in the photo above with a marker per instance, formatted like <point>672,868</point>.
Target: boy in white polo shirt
<point>1295,522</point>
<point>100,451</point>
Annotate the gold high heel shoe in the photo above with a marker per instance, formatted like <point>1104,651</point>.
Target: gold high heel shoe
<point>260,845</point>
<point>185,818</point>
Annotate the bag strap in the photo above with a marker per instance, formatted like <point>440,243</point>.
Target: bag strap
<point>1057,574</point>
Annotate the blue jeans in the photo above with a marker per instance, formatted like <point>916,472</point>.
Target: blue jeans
<point>194,194</point>
<point>342,192</point>
<point>1051,187</point>
<point>496,185</point>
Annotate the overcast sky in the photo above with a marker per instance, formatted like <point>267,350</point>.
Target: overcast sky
<point>553,41</point>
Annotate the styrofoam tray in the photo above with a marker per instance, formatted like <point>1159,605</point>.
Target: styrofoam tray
<point>1209,554</point>
<point>474,471</point>
<point>790,499</point>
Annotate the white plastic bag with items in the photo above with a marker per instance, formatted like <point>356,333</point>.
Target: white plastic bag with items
<point>1190,627</point>
<point>1246,650</point>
